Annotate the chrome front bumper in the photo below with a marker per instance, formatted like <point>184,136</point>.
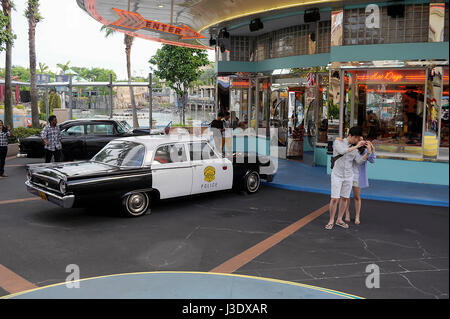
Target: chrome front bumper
<point>64,201</point>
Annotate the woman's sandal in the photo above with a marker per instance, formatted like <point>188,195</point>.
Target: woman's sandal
<point>357,222</point>
<point>329,226</point>
<point>343,225</point>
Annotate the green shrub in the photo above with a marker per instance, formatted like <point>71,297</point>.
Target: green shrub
<point>20,107</point>
<point>22,132</point>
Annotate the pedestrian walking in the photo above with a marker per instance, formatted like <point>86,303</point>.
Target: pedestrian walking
<point>344,154</point>
<point>360,180</point>
<point>5,132</point>
<point>52,140</point>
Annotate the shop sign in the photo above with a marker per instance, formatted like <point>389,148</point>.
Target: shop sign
<point>391,77</point>
<point>134,21</point>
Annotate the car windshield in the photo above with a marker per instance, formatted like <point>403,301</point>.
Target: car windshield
<point>123,154</point>
<point>126,126</point>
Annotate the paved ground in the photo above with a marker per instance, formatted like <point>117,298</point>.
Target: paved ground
<point>409,243</point>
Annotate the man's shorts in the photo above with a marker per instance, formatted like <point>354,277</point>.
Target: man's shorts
<point>340,187</point>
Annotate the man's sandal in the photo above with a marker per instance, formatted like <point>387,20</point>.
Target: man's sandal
<point>329,226</point>
<point>343,225</point>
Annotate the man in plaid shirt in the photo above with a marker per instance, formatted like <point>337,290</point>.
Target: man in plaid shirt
<point>4,133</point>
<point>52,140</point>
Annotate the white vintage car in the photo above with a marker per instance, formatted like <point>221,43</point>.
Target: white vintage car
<point>136,170</point>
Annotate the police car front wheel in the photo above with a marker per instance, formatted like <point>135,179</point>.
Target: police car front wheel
<point>136,204</point>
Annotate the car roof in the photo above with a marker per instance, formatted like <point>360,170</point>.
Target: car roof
<point>89,120</point>
<point>152,141</point>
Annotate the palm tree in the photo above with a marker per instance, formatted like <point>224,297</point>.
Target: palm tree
<point>33,16</point>
<point>128,40</point>
<point>64,67</point>
<point>42,67</point>
<point>7,6</point>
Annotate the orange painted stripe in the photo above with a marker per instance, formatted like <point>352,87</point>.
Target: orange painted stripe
<point>12,282</point>
<point>12,201</point>
<point>248,255</point>
<point>9,158</point>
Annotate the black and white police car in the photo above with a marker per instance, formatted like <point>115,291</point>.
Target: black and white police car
<point>136,170</point>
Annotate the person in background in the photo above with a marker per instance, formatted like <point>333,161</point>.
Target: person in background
<point>52,140</point>
<point>5,132</point>
<point>360,180</point>
<point>344,155</point>
<point>227,120</point>
<point>217,129</point>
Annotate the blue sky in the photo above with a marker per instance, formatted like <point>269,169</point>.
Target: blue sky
<point>67,33</point>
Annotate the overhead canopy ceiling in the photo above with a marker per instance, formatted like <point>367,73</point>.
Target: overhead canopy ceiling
<point>190,22</point>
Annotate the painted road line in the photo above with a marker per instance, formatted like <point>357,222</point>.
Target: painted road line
<point>248,255</point>
<point>15,165</point>
<point>10,158</point>
<point>12,201</point>
<point>12,282</point>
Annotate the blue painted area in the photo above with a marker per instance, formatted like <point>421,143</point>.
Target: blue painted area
<point>183,285</point>
<point>406,171</point>
<point>302,177</point>
<point>373,52</point>
<point>320,156</point>
<point>271,64</point>
<point>18,120</point>
<point>394,51</point>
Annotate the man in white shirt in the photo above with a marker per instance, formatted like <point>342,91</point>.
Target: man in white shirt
<point>342,173</point>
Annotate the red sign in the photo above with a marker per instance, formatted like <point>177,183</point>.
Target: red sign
<point>134,21</point>
<point>391,76</point>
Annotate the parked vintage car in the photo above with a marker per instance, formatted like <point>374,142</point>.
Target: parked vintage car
<point>83,138</point>
<point>134,171</point>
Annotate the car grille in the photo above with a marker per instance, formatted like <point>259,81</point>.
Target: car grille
<point>45,183</point>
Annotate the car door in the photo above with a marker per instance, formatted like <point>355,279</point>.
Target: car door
<point>73,140</point>
<point>171,171</point>
<point>211,172</point>
<point>98,134</point>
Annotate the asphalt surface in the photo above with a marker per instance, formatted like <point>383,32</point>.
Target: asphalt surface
<point>409,243</point>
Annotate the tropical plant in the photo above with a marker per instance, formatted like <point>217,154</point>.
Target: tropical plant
<point>128,40</point>
<point>180,67</point>
<point>42,68</point>
<point>6,39</point>
<point>54,102</point>
<point>64,67</point>
<point>33,16</point>
<point>6,35</point>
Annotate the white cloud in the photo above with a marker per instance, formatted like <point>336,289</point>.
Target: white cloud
<point>67,33</point>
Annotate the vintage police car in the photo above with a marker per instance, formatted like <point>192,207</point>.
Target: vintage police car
<point>137,170</point>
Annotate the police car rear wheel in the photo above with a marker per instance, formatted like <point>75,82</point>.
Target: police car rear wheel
<point>252,182</point>
<point>135,205</point>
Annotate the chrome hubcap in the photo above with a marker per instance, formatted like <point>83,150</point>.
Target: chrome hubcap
<point>136,203</point>
<point>253,182</point>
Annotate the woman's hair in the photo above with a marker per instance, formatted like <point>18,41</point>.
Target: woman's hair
<point>4,129</point>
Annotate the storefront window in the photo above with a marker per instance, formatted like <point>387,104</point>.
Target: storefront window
<point>390,108</point>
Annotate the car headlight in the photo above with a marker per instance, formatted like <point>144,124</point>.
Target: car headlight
<point>63,187</point>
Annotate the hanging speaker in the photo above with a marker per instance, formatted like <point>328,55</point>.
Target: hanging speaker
<point>256,25</point>
<point>396,9</point>
<point>311,15</point>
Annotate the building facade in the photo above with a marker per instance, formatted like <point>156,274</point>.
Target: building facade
<point>314,68</point>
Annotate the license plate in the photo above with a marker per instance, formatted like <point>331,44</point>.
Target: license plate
<point>43,196</point>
